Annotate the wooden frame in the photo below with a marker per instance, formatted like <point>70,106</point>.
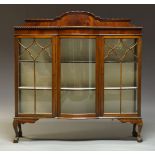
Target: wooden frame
<point>78,24</point>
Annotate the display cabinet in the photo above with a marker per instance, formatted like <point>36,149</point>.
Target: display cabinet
<point>78,66</point>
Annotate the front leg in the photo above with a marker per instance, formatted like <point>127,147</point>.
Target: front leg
<point>20,130</point>
<point>139,138</point>
<point>134,132</point>
<point>15,126</point>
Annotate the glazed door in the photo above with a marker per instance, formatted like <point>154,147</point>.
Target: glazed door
<point>122,75</point>
<point>77,89</point>
<point>34,63</point>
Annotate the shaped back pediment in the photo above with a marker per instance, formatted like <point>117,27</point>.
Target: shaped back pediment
<point>79,18</point>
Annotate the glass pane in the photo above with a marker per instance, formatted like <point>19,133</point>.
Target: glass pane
<point>112,74</point>
<point>26,77</point>
<point>44,100</point>
<point>75,102</point>
<point>120,50</point>
<point>129,101</point>
<point>112,101</point>
<point>43,75</point>
<point>78,50</point>
<point>46,53</point>
<point>26,100</point>
<point>39,49</point>
<point>24,44</point>
<point>129,74</point>
<point>78,75</point>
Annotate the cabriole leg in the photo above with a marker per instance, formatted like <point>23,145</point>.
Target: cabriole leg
<point>139,138</point>
<point>137,126</point>
<point>15,126</point>
<point>20,130</point>
<point>134,132</point>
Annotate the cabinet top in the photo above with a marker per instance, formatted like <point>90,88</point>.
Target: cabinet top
<point>78,20</point>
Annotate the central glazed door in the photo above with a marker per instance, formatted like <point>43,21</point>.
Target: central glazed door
<point>77,78</point>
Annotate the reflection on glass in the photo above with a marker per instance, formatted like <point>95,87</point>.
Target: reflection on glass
<point>78,75</point>
<point>26,98</point>
<point>43,99</point>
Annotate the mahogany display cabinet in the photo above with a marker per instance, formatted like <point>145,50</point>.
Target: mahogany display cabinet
<point>78,66</point>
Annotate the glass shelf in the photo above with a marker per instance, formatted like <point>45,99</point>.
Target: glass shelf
<point>95,62</point>
<point>120,62</point>
<point>105,88</point>
<point>119,88</point>
<point>39,88</point>
<point>78,61</point>
<point>67,88</point>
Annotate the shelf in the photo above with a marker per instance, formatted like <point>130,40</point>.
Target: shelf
<point>70,88</point>
<point>78,61</point>
<point>38,88</point>
<point>105,88</point>
<point>81,88</point>
<point>120,88</point>
<point>61,61</point>
<point>121,62</point>
<point>35,61</point>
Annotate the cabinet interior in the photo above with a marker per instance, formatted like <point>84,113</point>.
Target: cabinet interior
<point>78,75</point>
